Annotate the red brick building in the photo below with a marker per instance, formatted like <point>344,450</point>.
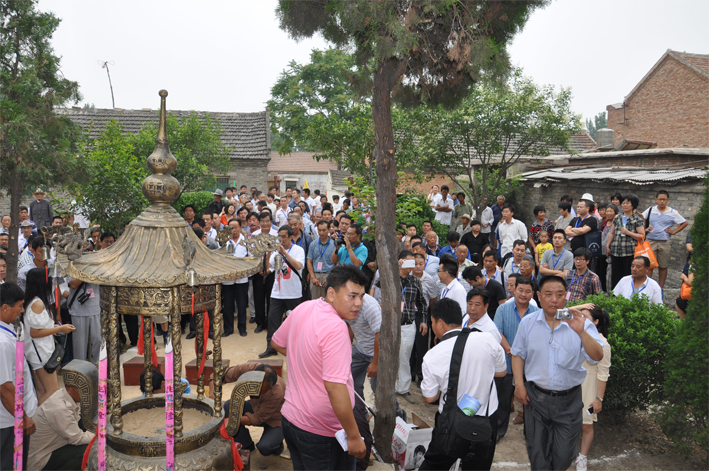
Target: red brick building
<point>669,106</point>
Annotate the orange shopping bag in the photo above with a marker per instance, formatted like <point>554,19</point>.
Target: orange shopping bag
<point>643,249</point>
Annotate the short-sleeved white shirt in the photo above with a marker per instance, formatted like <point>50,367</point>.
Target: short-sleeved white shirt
<point>650,288</point>
<point>7,374</point>
<point>291,287</point>
<point>484,324</point>
<point>456,292</point>
<point>442,216</point>
<point>482,358</point>
<point>239,251</point>
<point>508,233</point>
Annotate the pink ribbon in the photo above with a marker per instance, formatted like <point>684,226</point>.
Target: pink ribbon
<point>102,406</point>
<point>169,408</point>
<point>19,396</point>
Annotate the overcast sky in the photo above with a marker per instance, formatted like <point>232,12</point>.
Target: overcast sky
<point>226,55</point>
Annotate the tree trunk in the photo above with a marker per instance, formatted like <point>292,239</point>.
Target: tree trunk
<point>12,255</point>
<point>387,257</point>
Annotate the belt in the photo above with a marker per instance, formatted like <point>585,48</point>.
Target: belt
<point>556,393</point>
<point>408,323</point>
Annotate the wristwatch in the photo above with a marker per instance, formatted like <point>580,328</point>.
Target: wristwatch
<point>599,398</point>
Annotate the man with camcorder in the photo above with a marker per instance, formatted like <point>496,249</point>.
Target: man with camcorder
<point>548,351</point>
<point>349,249</point>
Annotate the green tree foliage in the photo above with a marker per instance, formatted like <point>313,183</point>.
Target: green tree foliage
<point>491,129</point>
<point>640,334</point>
<point>411,51</point>
<point>200,200</point>
<point>116,168</point>
<point>195,141</point>
<point>315,108</point>
<point>411,208</point>
<point>684,417</point>
<point>36,146</point>
<point>599,122</point>
<point>111,195</point>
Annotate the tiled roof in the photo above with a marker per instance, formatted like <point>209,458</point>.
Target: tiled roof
<point>299,162</point>
<point>697,62</point>
<point>636,176</point>
<point>247,135</point>
<point>339,178</point>
<point>700,61</point>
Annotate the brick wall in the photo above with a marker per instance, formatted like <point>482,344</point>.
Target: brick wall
<point>684,197</point>
<point>671,108</point>
<point>424,187</point>
<point>249,172</point>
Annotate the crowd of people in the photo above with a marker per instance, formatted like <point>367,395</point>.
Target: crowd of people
<point>505,282</point>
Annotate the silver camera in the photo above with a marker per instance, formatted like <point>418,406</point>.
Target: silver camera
<point>563,314</point>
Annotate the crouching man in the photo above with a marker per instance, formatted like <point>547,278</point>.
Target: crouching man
<point>58,443</point>
<point>263,410</point>
<point>483,360</point>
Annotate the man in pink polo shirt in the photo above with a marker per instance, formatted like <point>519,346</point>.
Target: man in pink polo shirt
<point>320,390</point>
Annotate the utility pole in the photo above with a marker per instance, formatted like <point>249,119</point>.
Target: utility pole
<point>104,64</point>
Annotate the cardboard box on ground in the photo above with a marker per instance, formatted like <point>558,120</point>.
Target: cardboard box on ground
<point>407,438</point>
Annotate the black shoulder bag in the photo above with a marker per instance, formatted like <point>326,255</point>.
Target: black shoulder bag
<point>305,286</point>
<point>55,360</point>
<point>457,434</point>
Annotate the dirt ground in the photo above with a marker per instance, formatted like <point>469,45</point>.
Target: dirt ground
<point>638,444</point>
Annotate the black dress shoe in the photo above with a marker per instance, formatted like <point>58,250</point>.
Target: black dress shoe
<point>243,334</point>
<point>259,329</point>
<point>226,334</point>
<point>252,320</point>
<point>191,335</point>
<point>268,353</point>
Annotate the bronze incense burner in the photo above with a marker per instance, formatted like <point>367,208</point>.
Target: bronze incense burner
<point>155,269</point>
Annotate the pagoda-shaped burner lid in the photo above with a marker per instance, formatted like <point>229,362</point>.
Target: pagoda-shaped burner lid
<point>158,247</point>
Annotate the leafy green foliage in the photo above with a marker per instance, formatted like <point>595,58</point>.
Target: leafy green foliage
<point>411,208</point>
<point>684,417</point>
<point>195,142</point>
<point>640,334</point>
<point>111,195</point>
<point>313,107</point>
<point>599,122</point>
<point>114,161</point>
<point>491,129</point>
<point>36,146</point>
<point>200,200</point>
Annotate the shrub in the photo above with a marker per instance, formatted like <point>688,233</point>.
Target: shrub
<point>418,211</point>
<point>200,200</point>
<point>639,335</point>
<point>684,415</point>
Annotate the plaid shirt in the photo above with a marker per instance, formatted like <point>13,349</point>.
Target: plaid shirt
<point>622,245</point>
<point>414,301</point>
<point>580,287</point>
<point>536,228</point>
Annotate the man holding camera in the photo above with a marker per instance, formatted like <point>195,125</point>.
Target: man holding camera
<point>548,351</point>
<point>350,249</point>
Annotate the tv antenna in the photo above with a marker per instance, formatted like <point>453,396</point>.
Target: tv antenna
<point>104,65</point>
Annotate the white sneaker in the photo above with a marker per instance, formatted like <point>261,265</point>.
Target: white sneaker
<point>581,463</point>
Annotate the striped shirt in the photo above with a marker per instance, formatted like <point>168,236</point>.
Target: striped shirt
<point>661,221</point>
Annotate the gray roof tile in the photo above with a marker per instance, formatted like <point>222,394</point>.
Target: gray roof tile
<point>245,134</point>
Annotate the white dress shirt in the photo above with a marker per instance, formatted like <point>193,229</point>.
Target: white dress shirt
<point>456,292</point>
<point>649,288</point>
<point>484,324</point>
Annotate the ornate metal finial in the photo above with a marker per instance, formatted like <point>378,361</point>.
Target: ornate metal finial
<point>223,235</point>
<point>188,249</point>
<point>161,187</point>
<point>71,243</point>
<point>261,244</point>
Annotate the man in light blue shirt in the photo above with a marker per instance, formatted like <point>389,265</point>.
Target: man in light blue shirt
<point>547,355</point>
<point>319,260</point>
<point>507,319</point>
<point>354,252</point>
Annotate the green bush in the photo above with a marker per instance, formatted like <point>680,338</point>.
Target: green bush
<point>417,212</point>
<point>639,336</point>
<point>200,200</point>
<point>684,415</point>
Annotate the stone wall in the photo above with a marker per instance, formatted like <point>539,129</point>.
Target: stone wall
<point>316,181</point>
<point>684,197</point>
<point>249,172</point>
<point>670,108</point>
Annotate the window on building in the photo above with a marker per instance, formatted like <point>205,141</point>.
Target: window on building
<point>222,180</point>
<point>293,184</point>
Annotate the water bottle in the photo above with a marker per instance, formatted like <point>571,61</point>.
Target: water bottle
<point>469,405</point>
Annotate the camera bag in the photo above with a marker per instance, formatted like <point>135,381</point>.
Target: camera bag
<point>55,359</point>
<point>457,434</point>
<point>305,286</point>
